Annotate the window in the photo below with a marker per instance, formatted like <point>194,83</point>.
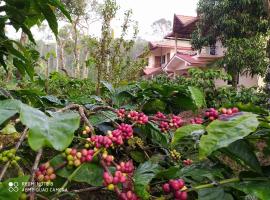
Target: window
<point>163,59</point>
<point>213,50</point>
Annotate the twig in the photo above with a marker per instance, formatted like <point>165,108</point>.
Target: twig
<point>42,197</point>
<point>98,108</point>
<point>69,107</point>
<point>84,118</point>
<point>16,148</point>
<point>34,168</point>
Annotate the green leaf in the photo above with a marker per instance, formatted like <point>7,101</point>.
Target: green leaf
<point>143,176</point>
<point>8,108</point>
<point>170,173</point>
<point>155,135</point>
<point>49,16</point>
<point>138,156</point>
<point>222,133</point>
<point>108,86</point>
<point>58,4</point>
<point>242,150</point>
<point>260,189</point>
<point>197,97</point>
<point>8,129</point>
<point>186,131</point>
<point>8,192</point>
<point>90,173</point>
<point>214,194</point>
<point>101,117</point>
<point>201,172</point>
<point>56,131</point>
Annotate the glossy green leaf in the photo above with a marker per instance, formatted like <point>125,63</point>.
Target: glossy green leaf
<point>102,116</point>
<point>138,156</point>
<point>186,131</point>
<point>197,97</point>
<point>214,194</point>
<point>242,151</point>
<point>222,133</point>
<point>12,188</point>
<point>143,176</point>
<point>8,108</point>
<point>90,173</point>
<point>152,132</point>
<point>56,131</point>
<point>260,189</point>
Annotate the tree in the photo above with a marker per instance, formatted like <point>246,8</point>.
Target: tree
<point>83,13</point>
<point>112,59</point>
<point>161,27</point>
<point>22,15</point>
<point>245,56</point>
<point>235,24</point>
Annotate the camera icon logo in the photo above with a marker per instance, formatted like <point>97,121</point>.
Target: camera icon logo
<point>13,186</point>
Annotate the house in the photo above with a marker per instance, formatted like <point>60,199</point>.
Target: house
<point>174,55</point>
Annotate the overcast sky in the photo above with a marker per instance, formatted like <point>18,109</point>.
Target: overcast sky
<point>148,11</point>
<point>144,11</point>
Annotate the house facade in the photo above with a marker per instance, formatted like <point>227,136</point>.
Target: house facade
<point>174,55</point>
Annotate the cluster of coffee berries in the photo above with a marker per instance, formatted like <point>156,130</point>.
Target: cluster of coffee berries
<point>176,121</point>
<point>110,181</point>
<point>137,117</point>
<point>76,158</point>
<point>125,130</point>
<point>187,162</point>
<point>86,130</point>
<point>129,195</point>
<point>45,173</point>
<point>211,114</point>
<point>101,141</point>
<point>164,126</point>
<point>229,111</point>
<point>175,155</point>
<point>160,115</point>
<point>121,113</point>
<point>176,187</point>
<point>196,120</point>
<point>9,155</point>
<point>125,167</point>
<point>107,158</point>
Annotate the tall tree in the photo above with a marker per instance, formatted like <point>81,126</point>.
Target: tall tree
<point>83,13</point>
<point>161,27</point>
<point>236,24</point>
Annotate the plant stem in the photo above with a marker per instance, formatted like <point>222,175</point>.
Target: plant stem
<point>16,148</point>
<point>34,168</point>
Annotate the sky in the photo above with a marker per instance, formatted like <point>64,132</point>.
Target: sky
<point>145,12</point>
<point>148,11</point>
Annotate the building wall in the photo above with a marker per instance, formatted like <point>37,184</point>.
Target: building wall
<point>244,80</point>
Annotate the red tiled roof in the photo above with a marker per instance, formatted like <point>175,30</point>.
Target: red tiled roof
<point>153,71</point>
<point>183,26</point>
<point>185,20</point>
<point>197,61</point>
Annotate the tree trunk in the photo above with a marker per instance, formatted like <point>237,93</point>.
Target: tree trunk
<point>235,80</point>
<point>23,41</point>
<point>76,50</point>
<point>85,73</point>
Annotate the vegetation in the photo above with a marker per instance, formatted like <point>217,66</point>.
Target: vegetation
<point>63,137</point>
<point>238,25</point>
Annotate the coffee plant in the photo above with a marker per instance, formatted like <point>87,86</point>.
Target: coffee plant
<point>220,153</point>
